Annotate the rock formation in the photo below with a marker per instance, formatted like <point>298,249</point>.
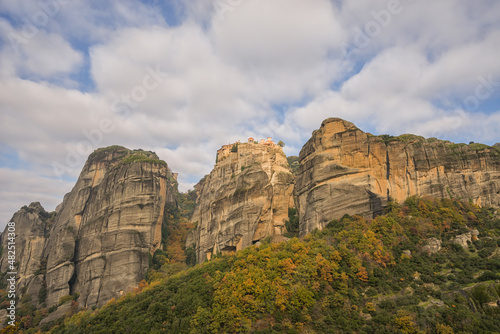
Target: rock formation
<point>103,233</point>
<point>98,243</point>
<point>344,170</point>
<point>432,245</point>
<point>466,239</point>
<point>32,226</point>
<point>244,199</point>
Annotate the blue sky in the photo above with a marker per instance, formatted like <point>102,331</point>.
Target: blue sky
<point>182,78</point>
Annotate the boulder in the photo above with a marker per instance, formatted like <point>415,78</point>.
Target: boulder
<point>463,239</point>
<point>432,245</point>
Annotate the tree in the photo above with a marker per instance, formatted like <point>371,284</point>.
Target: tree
<point>444,329</point>
<point>292,224</point>
<point>11,329</point>
<point>362,274</point>
<point>281,143</point>
<point>405,322</point>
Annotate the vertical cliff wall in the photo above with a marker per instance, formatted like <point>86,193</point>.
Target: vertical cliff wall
<point>345,170</point>
<point>103,232</point>
<point>32,224</point>
<point>244,199</point>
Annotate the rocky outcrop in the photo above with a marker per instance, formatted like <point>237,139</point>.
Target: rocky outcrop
<point>244,199</point>
<point>463,240</point>
<point>407,252</point>
<point>432,245</point>
<point>344,170</point>
<point>103,233</point>
<point>32,225</point>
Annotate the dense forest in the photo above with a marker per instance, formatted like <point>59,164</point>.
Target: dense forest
<point>355,276</point>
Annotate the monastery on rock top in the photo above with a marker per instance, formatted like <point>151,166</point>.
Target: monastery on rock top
<point>225,150</point>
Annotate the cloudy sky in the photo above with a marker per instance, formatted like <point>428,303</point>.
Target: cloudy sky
<point>183,77</point>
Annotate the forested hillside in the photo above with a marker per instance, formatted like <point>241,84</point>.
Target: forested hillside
<point>405,271</point>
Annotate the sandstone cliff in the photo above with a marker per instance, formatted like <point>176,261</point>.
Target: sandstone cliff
<point>103,233</point>
<point>345,170</point>
<point>32,226</point>
<point>244,199</point>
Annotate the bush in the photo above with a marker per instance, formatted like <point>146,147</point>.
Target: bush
<point>65,299</point>
<point>486,252</point>
<point>42,294</point>
<point>488,276</point>
<point>406,300</point>
<point>292,224</point>
<point>137,157</point>
<point>387,304</point>
<point>480,293</point>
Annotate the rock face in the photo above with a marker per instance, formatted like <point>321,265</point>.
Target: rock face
<point>103,233</point>
<point>32,225</point>
<point>344,170</point>
<point>244,199</point>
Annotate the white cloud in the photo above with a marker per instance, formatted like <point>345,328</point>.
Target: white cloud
<point>39,55</point>
<point>461,66</point>
<point>21,187</point>
<point>434,27</point>
<point>265,68</point>
<point>282,46</point>
<point>49,54</point>
<point>79,20</point>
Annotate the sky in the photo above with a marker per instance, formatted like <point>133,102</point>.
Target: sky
<point>184,77</point>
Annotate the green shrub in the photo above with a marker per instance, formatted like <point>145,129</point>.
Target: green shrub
<point>478,147</point>
<point>480,293</point>
<point>65,299</point>
<point>488,276</point>
<point>292,224</point>
<point>137,157</point>
<point>234,149</point>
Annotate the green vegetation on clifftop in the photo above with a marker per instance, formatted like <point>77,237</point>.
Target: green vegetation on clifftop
<point>127,156</point>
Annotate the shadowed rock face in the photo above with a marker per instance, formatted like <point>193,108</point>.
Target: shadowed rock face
<point>345,170</point>
<point>244,199</point>
<point>103,232</point>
